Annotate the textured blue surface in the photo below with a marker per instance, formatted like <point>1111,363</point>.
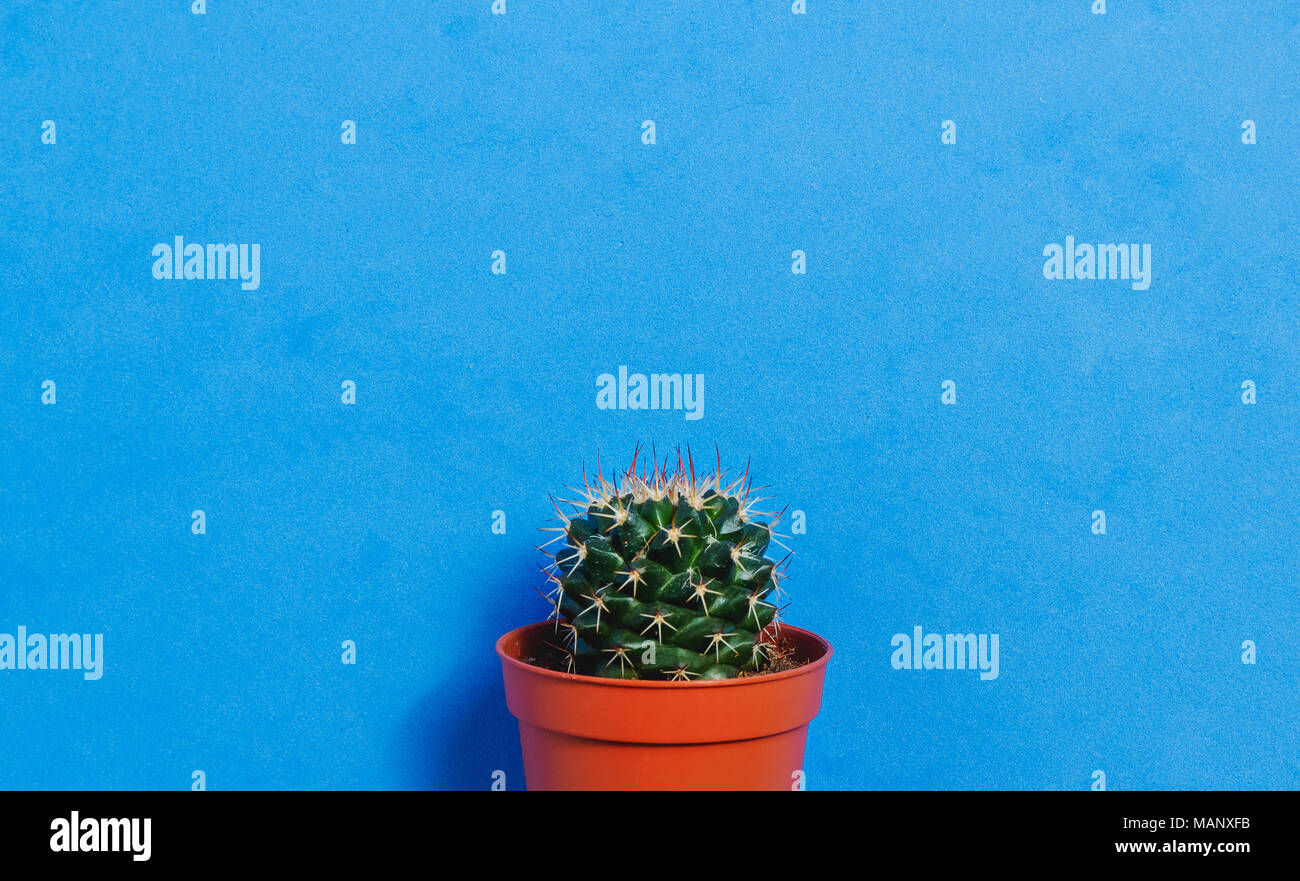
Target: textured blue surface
<point>475,392</point>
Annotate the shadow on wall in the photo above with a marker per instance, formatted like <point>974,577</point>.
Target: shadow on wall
<point>460,734</point>
<point>460,737</point>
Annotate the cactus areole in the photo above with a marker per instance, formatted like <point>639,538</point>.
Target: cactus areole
<point>665,665</point>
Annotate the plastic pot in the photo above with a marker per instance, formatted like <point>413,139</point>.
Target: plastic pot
<point>587,732</point>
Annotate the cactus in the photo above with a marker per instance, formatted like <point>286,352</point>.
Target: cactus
<point>663,576</point>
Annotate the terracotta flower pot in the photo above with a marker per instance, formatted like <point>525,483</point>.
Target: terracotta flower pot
<point>586,732</point>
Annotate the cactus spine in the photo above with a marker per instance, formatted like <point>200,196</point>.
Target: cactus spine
<point>664,576</point>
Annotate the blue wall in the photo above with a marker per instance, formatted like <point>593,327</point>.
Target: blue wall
<point>1119,652</point>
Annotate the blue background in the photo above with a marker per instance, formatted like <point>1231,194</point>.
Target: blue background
<point>476,392</point>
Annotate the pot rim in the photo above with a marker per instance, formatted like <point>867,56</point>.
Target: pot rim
<point>802,670</point>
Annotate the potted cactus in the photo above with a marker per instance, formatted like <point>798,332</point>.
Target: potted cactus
<point>664,664</point>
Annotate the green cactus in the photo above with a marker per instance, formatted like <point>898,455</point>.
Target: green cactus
<point>665,577</point>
